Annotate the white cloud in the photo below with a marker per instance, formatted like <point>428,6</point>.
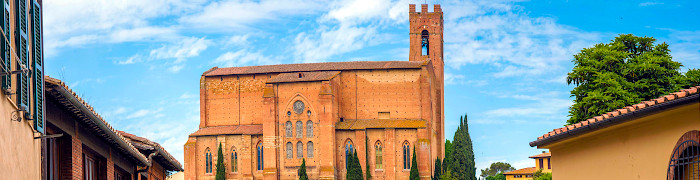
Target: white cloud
<point>188,47</point>
<point>650,3</point>
<point>319,46</point>
<point>453,78</point>
<point>144,113</point>
<point>244,57</point>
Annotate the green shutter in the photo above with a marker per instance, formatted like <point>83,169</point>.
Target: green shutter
<point>38,68</point>
<point>5,50</point>
<point>22,54</point>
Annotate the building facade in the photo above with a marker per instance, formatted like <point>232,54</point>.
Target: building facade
<point>21,94</point>
<point>542,164</point>
<point>268,118</point>
<point>655,139</point>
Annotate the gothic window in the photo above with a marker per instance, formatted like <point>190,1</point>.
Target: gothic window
<point>260,156</point>
<point>348,151</point>
<point>378,155</point>
<point>234,160</point>
<point>288,129</point>
<point>406,155</point>
<point>300,150</point>
<point>309,129</point>
<point>208,160</point>
<point>300,129</point>
<point>289,150</point>
<point>310,149</point>
<point>425,45</point>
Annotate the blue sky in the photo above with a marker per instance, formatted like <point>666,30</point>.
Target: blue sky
<point>139,62</point>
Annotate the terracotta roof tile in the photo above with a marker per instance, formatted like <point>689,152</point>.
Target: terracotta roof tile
<point>379,123</point>
<point>315,67</point>
<point>625,110</point>
<point>141,140</point>
<point>523,171</point>
<point>255,129</point>
<point>303,76</point>
<point>543,155</point>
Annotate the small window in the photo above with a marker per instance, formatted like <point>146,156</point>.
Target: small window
<point>309,129</point>
<point>300,150</point>
<point>378,155</point>
<point>349,149</point>
<point>208,161</point>
<point>406,155</point>
<point>260,156</point>
<point>425,45</point>
<point>549,163</point>
<point>517,176</point>
<point>300,128</point>
<point>529,175</point>
<point>289,150</point>
<point>310,149</point>
<point>288,129</point>
<point>234,160</point>
<point>541,163</point>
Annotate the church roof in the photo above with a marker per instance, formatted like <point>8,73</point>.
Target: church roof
<point>304,76</point>
<point>326,66</point>
<point>353,124</point>
<point>254,129</point>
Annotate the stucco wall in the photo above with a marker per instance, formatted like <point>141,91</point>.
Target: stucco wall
<point>639,149</point>
<point>20,153</point>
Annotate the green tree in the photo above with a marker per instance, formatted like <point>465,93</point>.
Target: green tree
<point>625,71</point>
<point>462,163</point>
<point>539,175</point>
<point>220,168</point>
<point>438,169</point>
<point>354,171</point>
<point>414,167</point>
<point>498,176</point>
<point>495,168</point>
<point>447,161</point>
<point>302,171</point>
<point>368,175</point>
<point>447,176</point>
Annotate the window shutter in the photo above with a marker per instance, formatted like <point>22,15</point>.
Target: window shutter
<point>38,68</point>
<point>6,80</point>
<point>21,41</point>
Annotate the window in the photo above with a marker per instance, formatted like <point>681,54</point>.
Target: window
<point>120,174</point>
<point>406,155</point>
<point>234,160</point>
<point>541,163</point>
<point>89,168</point>
<point>300,150</point>
<point>289,150</point>
<point>38,70</point>
<point>549,163</point>
<point>288,129</point>
<point>378,155</point>
<point>425,45</point>
<point>22,54</point>
<point>309,129</point>
<point>684,163</point>
<point>5,55</point>
<point>348,151</point>
<point>529,175</point>
<point>518,176</point>
<point>310,149</point>
<point>300,128</point>
<point>208,161</point>
<point>52,159</point>
<point>260,156</point>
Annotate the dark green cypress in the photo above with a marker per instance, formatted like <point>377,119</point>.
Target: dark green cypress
<point>438,169</point>
<point>463,166</point>
<point>414,167</point>
<point>302,171</point>
<point>220,168</point>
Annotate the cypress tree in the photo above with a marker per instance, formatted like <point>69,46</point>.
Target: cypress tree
<point>463,166</point>
<point>438,169</point>
<point>302,171</point>
<point>220,168</point>
<point>414,167</point>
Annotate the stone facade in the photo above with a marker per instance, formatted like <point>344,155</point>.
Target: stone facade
<point>382,109</point>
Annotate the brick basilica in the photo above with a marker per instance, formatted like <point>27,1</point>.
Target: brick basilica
<point>268,118</point>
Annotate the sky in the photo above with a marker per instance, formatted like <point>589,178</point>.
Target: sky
<point>138,63</point>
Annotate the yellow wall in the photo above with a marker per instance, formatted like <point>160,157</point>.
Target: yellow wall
<point>20,153</point>
<point>545,168</point>
<point>510,176</point>
<point>639,149</point>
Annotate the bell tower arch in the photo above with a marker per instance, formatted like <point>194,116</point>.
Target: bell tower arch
<point>426,34</point>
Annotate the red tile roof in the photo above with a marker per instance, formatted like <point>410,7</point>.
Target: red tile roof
<point>529,170</point>
<point>326,66</point>
<point>543,155</point>
<point>144,142</point>
<point>304,76</point>
<point>351,124</point>
<point>610,118</point>
<point>255,129</point>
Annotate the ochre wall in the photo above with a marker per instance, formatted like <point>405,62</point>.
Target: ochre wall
<point>639,149</point>
<point>20,153</point>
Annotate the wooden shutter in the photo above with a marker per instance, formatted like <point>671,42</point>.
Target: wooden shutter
<point>22,54</point>
<point>5,50</point>
<point>38,68</point>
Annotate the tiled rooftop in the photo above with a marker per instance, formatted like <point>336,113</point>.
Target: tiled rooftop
<point>379,123</point>
<point>619,112</point>
<point>224,130</point>
<point>304,76</point>
<point>143,142</point>
<point>543,155</point>
<point>326,66</point>
<point>529,170</point>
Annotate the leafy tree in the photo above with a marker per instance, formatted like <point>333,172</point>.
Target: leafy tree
<point>462,163</point>
<point>625,71</point>
<point>414,167</point>
<point>302,171</point>
<point>368,175</point>
<point>447,176</point>
<point>498,176</point>
<point>220,168</point>
<point>539,175</point>
<point>438,169</point>
<point>447,162</point>
<point>497,167</point>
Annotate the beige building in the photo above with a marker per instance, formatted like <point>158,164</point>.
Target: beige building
<point>21,94</point>
<point>542,163</point>
<point>655,139</point>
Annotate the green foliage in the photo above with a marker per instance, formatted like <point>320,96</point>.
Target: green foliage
<point>302,171</point>
<point>438,169</point>
<point>462,158</point>
<point>447,162</point>
<point>539,175</point>
<point>354,171</point>
<point>496,168</point>
<point>447,176</point>
<point>625,71</point>
<point>368,175</point>
<point>498,176</point>
<point>220,168</point>
<point>414,167</point>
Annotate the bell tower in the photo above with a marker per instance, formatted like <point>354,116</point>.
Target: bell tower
<point>426,34</point>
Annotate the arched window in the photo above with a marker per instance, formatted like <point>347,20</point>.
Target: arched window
<point>310,149</point>
<point>288,129</point>
<point>406,155</point>
<point>349,149</point>
<point>378,155</point>
<point>208,160</point>
<point>425,45</point>
<point>300,129</point>
<point>300,150</point>
<point>260,156</point>
<point>289,150</point>
<point>309,129</point>
<point>685,160</point>
<point>234,160</point>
